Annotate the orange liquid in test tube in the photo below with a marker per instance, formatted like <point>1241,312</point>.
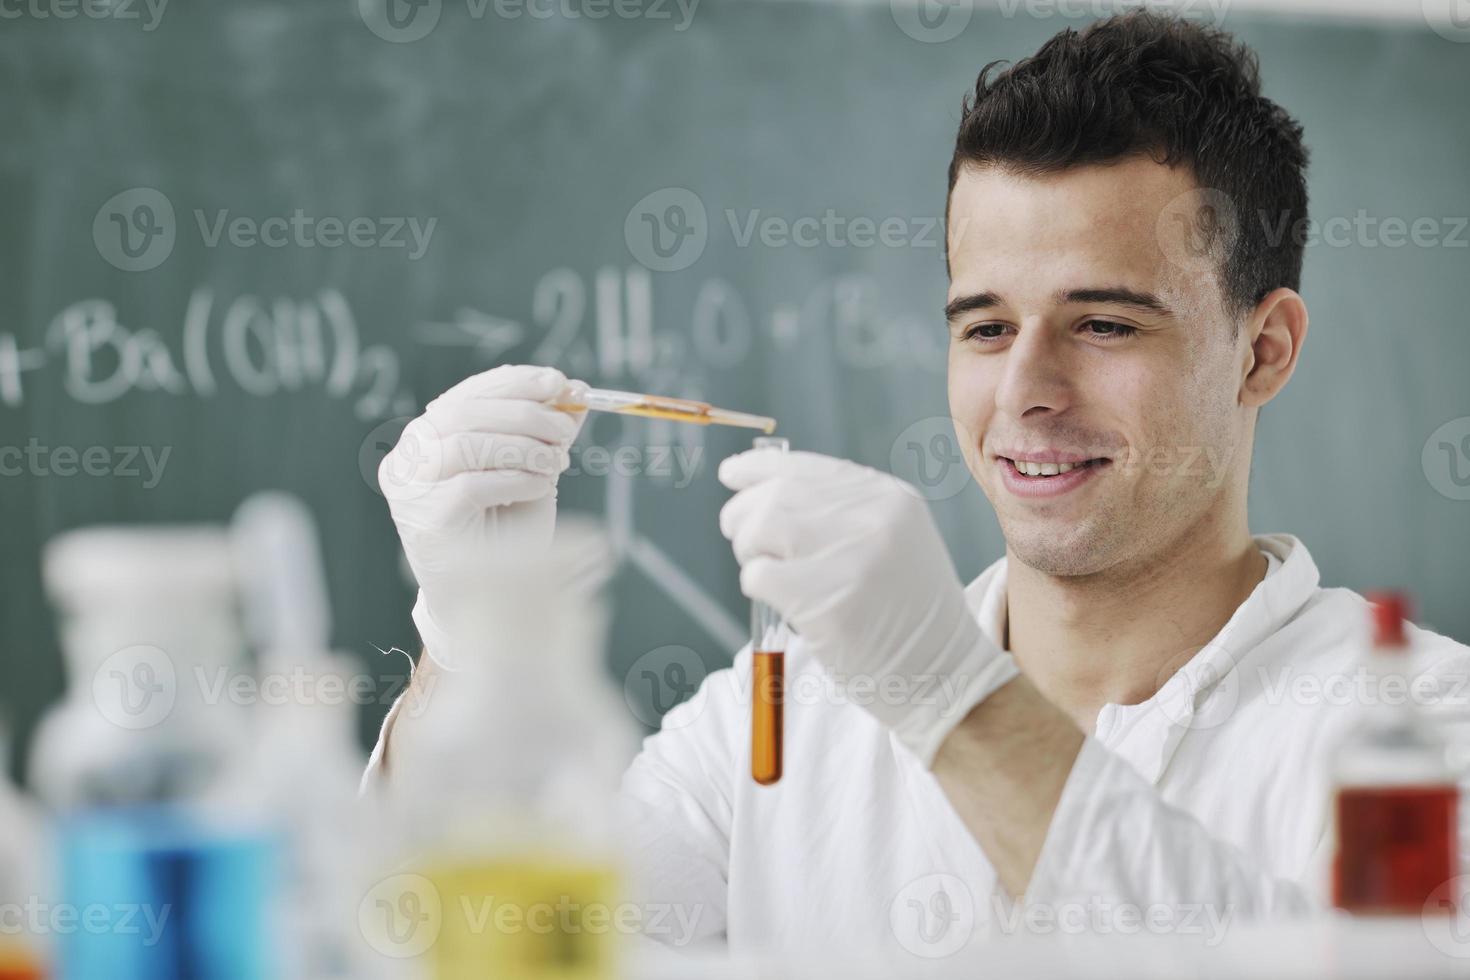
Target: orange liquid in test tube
<point>768,669</point>
<point>768,637</point>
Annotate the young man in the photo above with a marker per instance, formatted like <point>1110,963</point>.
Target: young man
<point>1105,725</point>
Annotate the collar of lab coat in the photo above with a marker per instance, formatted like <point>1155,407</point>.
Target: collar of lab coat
<point>1205,688</point>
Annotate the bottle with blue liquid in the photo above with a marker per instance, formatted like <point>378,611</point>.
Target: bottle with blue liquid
<point>168,868</point>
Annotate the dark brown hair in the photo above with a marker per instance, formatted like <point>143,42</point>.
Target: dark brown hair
<point>1180,92</point>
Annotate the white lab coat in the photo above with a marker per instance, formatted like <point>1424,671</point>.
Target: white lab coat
<point>1205,805</point>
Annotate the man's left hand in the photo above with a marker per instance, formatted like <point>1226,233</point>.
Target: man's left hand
<point>851,557</point>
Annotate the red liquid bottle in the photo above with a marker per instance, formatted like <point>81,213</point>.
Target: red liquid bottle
<point>1397,799</point>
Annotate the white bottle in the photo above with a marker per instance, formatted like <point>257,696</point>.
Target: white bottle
<point>504,789</point>
<point>306,761</point>
<point>149,635</point>
<point>26,884</point>
<point>143,759</point>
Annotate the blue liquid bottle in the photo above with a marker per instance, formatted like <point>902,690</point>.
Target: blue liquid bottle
<point>166,869</point>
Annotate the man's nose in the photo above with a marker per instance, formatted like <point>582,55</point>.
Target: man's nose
<point>1035,379</point>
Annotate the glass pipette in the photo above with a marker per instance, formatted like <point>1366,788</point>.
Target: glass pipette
<point>579,395</point>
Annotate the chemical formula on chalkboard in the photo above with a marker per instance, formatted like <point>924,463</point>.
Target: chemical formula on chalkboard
<point>261,348</point>
<point>598,326</point>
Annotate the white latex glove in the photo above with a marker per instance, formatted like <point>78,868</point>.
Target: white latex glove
<point>472,481</point>
<point>851,557</point>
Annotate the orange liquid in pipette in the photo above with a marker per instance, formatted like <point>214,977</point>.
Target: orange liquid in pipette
<point>676,414</point>
<point>674,409</point>
<point>768,696</point>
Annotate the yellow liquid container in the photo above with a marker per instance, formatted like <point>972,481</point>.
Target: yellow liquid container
<point>528,919</point>
<point>507,860</point>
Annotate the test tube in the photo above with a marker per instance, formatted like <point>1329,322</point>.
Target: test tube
<point>768,638</point>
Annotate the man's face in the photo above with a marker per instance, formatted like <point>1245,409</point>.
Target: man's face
<point>1088,328</point>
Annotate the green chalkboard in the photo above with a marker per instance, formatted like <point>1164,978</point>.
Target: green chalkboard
<point>251,235</point>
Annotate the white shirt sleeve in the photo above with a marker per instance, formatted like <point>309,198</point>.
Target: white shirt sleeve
<point>1114,841</point>
<point>677,811</point>
<point>372,775</point>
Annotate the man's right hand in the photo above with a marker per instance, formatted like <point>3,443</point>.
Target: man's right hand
<point>472,483</point>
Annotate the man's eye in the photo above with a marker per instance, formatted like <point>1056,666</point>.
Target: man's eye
<point>1109,329</point>
<point>985,331</point>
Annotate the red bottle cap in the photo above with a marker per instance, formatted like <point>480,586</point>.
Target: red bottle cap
<point>1390,610</point>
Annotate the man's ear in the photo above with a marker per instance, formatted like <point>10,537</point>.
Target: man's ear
<point>1274,333</point>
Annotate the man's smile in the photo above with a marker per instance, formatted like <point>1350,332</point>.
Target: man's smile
<point>1048,473</point>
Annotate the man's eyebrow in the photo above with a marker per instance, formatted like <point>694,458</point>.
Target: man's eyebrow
<point>961,305</point>
<point>1118,296</point>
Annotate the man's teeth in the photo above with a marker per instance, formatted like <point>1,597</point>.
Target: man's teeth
<point>1044,469</point>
